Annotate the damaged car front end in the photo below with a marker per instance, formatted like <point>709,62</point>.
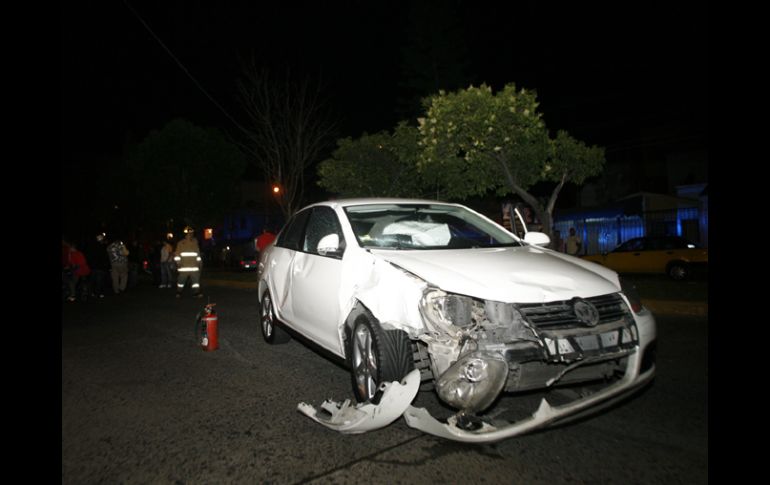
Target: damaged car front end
<point>512,348</point>
<point>480,313</point>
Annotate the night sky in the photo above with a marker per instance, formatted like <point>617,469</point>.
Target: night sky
<point>623,61</point>
<point>610,73</point>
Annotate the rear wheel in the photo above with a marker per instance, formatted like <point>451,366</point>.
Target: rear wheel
<point>271,331</point>
<point>678,271</point>
<point>377,356</point>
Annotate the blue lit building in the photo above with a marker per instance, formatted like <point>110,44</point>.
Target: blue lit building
<point>642,214</point>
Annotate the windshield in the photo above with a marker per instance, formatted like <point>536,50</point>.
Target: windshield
<point>424,226</point>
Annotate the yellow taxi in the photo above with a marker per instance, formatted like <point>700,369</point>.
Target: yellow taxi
<point>671,255</point>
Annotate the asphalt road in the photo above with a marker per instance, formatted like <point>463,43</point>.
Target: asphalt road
<point>142,403</point>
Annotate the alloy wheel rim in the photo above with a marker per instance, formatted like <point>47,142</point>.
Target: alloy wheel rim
<point>678,272</point>
<point>364,362</point>
<point>267,317</point>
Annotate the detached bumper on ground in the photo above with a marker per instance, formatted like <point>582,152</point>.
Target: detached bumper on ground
<point>546,415</point>
<point>397,397</point>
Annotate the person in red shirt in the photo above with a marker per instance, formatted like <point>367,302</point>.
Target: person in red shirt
<point>77,264</point>
<point>265,238</point>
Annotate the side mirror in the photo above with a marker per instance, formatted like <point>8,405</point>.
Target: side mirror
<point>329,244</point>
<point>537,238</point>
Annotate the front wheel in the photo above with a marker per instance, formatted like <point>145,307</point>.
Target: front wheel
<point>377,356</point>
<point>271,332</point>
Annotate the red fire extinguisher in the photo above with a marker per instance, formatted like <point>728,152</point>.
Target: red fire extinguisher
<point>208,328</point>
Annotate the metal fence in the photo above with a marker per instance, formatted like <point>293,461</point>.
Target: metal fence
<point>603,234</point>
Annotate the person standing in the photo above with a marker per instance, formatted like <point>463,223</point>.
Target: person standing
<point>118,254</point>
<point>188,262</point>
<point>573,244</point>
<point>100,264</point>
<point>166,262</point>
<point>265,238</point>
<point>76,262</point>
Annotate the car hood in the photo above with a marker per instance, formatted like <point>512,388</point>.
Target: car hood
<point>527,274</point>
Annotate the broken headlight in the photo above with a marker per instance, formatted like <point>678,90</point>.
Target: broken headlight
<point>446,312</point>
<point>474,381</point>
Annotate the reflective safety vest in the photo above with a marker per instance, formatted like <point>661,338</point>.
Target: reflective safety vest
<point>187,256</point>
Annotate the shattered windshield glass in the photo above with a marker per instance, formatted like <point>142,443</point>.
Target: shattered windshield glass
<point>424,226</point>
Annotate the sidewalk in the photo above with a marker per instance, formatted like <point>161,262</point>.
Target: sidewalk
<point>659,294</point>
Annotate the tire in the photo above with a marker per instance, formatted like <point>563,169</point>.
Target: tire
<point>271,330</point>
<point>376,356</point>
<point>678,271</point>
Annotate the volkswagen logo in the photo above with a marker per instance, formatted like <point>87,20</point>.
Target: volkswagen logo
<point>585,311</point>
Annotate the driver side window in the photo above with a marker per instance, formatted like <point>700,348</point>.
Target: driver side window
<point>630,245</point>
<point>323,222</point>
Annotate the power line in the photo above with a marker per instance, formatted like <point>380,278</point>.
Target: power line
<point>181,66</point>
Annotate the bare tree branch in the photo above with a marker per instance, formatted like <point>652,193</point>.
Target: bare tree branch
<point>287,129</point>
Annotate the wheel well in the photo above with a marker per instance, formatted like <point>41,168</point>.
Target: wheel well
<point>676,262</point>
<point>359,310</point>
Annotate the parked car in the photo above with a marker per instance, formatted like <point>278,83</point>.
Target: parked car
<point>248,263</point>
<point>412,292</point>
<point>671,255</point>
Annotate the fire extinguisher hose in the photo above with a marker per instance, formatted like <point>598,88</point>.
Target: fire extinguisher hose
<point>198,327</point>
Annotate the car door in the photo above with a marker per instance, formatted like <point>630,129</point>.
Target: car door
<point>279,266</point>
<point>315,280</point>
<point>659,251</point>
<point>626,257</point>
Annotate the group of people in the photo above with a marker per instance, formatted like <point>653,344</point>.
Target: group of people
<point>81,278</point>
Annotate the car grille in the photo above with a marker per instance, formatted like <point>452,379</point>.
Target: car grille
<point>559,314</point>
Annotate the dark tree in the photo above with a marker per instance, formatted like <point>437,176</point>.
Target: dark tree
<point>185,173</point>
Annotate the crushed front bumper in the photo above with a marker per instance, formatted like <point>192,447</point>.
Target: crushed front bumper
<point>546,415</point>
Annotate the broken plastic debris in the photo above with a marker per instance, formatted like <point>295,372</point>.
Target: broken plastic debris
<point>363,417</point>
<point>545,415</point>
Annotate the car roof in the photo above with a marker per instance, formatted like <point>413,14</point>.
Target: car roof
<point>680,238</point>
<point>377,200</point>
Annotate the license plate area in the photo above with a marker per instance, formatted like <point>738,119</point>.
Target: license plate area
<point>569,345</point>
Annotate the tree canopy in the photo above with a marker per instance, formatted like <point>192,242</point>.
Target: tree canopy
<point>185,173</point>
<point>474,141</point>
<point>378,165</point>
<point>471,137</point>
<point>470,142</point>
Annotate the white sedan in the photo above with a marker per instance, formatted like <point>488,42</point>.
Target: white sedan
<point>415,291</point>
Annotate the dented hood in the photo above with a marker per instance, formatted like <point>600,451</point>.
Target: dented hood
<point>526,274</point>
